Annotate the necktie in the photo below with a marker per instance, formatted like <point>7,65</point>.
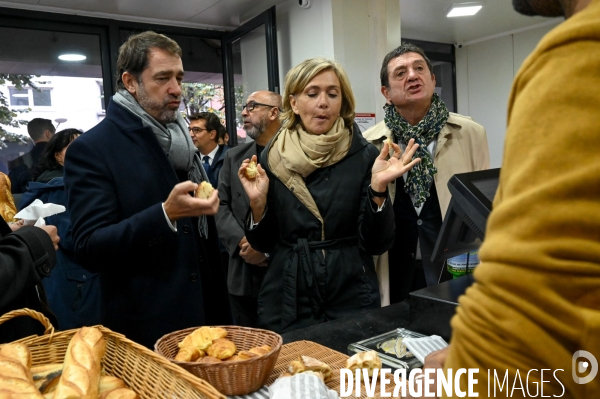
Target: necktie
<point>206,164</point>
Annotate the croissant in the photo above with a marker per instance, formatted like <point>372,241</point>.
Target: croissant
<point>203,337</point>
<point>312,364</point>
<point>260,350</point>
<point>189,354</point>
<point>221,348</point>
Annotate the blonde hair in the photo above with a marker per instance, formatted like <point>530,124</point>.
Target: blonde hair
<point>300,76</point>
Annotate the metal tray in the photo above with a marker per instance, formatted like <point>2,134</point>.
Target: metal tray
<point>390,348</point>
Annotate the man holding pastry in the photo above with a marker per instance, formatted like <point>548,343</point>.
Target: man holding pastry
<point>128,183</point>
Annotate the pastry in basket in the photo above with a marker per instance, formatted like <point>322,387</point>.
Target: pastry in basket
<point>111,387</point>
<point>205,190</point>
<point>209,359</point>
<point>189,354</point>
<point>15,377</point>
<point>260,350</point>
<point>119,393</point>
<point>203,337</point>
<point>364,360</point>
<point>81,373</point>
<point>221,349</point>
<point>242,355</point>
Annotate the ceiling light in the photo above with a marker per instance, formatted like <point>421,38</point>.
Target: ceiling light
<point>461,10</point>
<point>72,57</point>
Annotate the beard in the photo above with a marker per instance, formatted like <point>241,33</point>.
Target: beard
<point>257,129</point>
<point>163,114</point>
<point>544,8</point>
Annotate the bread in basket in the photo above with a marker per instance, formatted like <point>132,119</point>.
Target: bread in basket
<point>234,377</point>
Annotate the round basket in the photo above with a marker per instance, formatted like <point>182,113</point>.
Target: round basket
<point>229,378</point>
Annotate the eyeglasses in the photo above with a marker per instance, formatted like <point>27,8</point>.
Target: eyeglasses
<point>250,105</point>
<point>196,130</point>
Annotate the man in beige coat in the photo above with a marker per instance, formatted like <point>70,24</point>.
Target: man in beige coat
<point>449,143</point>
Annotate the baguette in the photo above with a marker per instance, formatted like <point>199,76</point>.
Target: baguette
<point>114,388</point>
<point>46,376</point>
<point>81,373</point>
<point>120,393</point>
<point>15,378</point>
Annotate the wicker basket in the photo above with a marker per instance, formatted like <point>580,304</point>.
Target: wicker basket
<point>230,378</point>
<point>149,375</point>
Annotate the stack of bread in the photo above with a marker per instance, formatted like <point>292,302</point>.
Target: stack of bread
<point>78,377</point>
<point>209,345</point>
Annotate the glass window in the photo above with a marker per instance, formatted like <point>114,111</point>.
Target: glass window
<point>41,98</point>
<point>19,98</point>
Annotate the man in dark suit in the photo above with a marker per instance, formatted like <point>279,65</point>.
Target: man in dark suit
<point>128,183</point>
<point>205,128</point>
<point>40,130</point>
<point>246,265</point>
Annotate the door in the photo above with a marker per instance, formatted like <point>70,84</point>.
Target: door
<point>249,64</point>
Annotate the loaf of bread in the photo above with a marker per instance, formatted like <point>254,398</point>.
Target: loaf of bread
<point>15,377</point>
<point>205,190</point>
<point>81,372</point>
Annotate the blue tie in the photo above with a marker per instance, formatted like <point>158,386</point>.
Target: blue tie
<point>206,164</point>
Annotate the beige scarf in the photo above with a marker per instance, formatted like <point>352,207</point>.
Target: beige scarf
<point>295,154</point>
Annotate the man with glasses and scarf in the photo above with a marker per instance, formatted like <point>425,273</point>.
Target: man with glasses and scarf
<point>130,182</point>
<point>246,265</point>
<point>449,144</point>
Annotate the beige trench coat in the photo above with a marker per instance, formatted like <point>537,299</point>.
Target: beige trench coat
<point>461,147</point>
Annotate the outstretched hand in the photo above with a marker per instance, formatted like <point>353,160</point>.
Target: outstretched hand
<point>256,189</point>
<point>386,170</point>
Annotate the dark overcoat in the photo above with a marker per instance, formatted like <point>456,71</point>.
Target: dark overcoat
<point>308,280</point>
<point>153,280</point>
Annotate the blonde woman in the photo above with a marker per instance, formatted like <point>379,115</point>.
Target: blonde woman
<point>319,204</point>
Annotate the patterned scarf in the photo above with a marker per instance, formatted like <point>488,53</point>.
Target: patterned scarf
<point>421,175</point>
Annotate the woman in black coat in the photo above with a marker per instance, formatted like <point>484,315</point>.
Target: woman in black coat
<point>319,207</point>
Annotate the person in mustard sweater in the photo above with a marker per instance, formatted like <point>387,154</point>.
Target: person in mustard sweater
<point>536,300</point>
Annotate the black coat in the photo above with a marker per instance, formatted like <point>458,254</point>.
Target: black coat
<point>20,168</point>
<point>26,256</point>
<point>153,280</point>
<point>309,281</point>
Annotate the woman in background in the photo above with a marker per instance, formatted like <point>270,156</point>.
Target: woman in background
<point>73,293</point>
<point>319,207</point>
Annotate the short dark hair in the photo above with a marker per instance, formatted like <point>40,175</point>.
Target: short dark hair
<point>212,122</point>
<point>133,54</point>
<point>37,126</point>
<point>57,143</point>
<point>397,52</point>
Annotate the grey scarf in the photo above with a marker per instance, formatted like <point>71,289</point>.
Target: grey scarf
<point>174,140</point>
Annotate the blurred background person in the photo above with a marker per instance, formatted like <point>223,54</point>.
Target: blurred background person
<point>205,129</point>
<point>319,204</point>
<point>73,292</point>
<point>41,131</point>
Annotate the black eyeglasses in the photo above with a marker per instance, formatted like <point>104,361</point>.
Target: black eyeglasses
<point>250,105</point>
<point>196,130</point>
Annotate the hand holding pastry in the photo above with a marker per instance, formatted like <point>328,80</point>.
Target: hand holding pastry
<point>180,204</point>
<point>256,188</point>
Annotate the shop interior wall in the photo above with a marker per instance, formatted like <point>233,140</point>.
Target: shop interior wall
<point>484,76</point>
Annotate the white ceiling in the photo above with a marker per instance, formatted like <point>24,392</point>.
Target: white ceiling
<point>420,19</point>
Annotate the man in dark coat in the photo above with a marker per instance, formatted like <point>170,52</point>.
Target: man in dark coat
<point>27,255</point>
<point>246,265</point>
<point>40,130</point>
<point>128,183</point>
